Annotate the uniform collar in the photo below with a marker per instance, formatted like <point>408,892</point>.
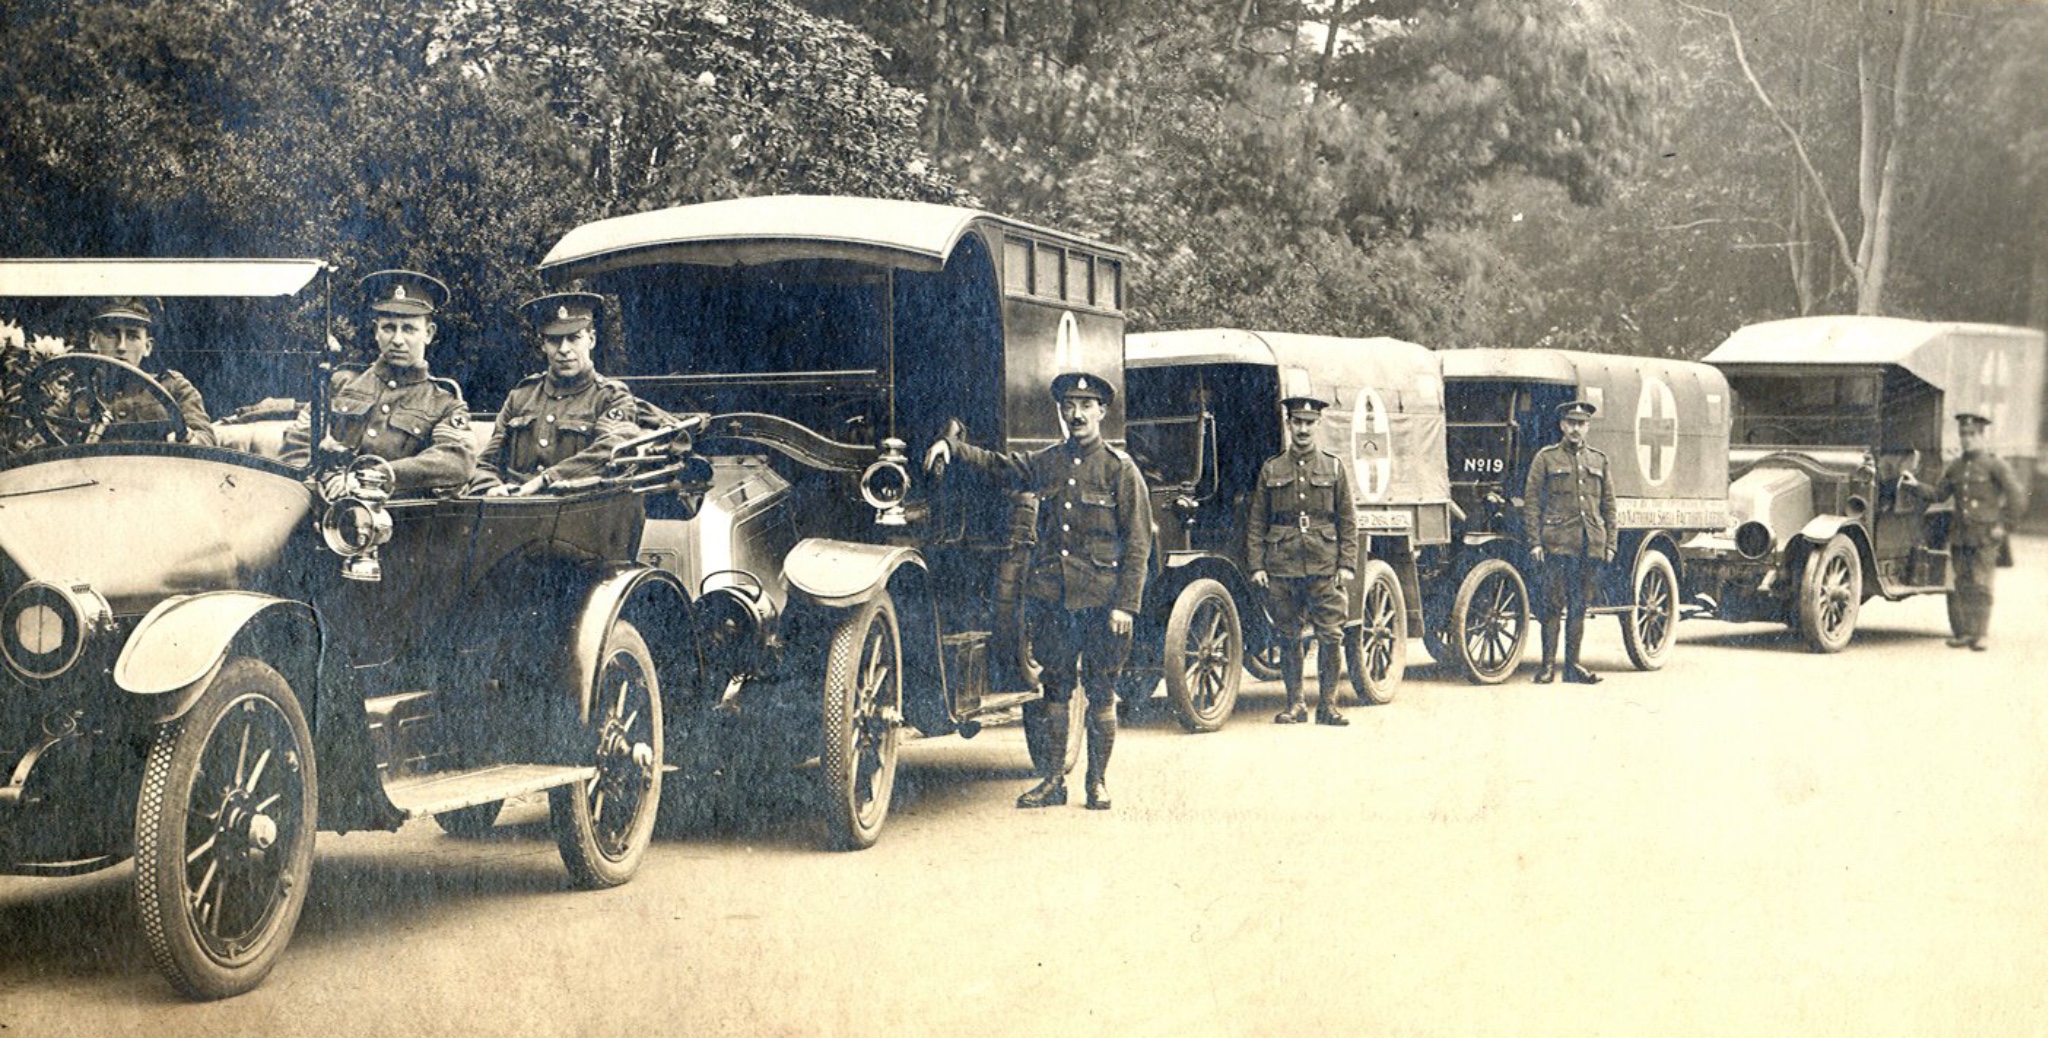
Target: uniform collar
<point>564,387</point>
<point>402,376</point>
<point>1076,450</point>
<point>1303,455</point>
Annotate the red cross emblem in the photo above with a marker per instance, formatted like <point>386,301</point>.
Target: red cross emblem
<point>1656,431</point>
<point>1372,446</point>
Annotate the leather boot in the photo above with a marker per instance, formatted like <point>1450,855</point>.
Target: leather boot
<point>1290,675</point>
<point>1051,790</point>
<point>1328,658</point>
<point>1574,635</point>
<point>1547,672</point>
<point>1101,740</point>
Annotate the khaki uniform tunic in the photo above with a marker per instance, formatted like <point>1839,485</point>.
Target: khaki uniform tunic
<point>418,423</point>
<point>1302,522</point>
<point>557,430</point>
<point>1568,502</point>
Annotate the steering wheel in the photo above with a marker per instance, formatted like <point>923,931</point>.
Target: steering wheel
<point>71,400</point>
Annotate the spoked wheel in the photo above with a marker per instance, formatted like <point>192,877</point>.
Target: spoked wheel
<point>1490,622</point>
<point>1038,742</point>
<point>603,826</point>
<point>224,833</point>
<point>1830,594</point>
<point>1384,636</point>
<point>863,723</point>
<point>1648,630</point>
<point>470,823</point>
<point>1203,660</point>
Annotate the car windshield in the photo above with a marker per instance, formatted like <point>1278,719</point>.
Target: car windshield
<point>247,359</point>
<point>1163,423</point>
<point>1807,409</point>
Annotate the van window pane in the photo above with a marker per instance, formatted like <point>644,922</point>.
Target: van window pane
<point>1046,273</point>
<point>1077,277</point>
<point>1108,281</point>
<point>1017,264</point>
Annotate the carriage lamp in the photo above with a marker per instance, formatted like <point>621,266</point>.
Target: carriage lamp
<point>886,483</point>
<point>44,627</point>
<point>355,526</point>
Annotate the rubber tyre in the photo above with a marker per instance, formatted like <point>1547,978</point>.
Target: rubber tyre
<point>603,826</point>
<point>1203,656</point>
<point>1489,625</point>
<point>863,712</point>
<point>1651,628</point>
<point>1830,594</point>
<point>218,903</point>
<point>1035,742</point>
<point>470,823</point>
<point>1384,635</point>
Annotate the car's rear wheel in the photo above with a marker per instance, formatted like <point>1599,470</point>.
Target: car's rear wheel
<point>863,718</point>
<point>224,832</point>
<point>1383,639</point>
<point>1830,595</point>
<point>1648,630</point>
<point>603,825</point>
<point>1490,622</point>
<point>1203,659</point>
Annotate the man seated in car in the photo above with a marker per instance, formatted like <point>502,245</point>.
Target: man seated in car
<point>562,423</point>
<point>121,329</point>
<point>396,409</point>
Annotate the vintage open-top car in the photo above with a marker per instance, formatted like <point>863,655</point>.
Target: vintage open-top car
<point>1842,426</point>
<point>1664,426</point>
<point>831,340</point>
<point>1204,414</point>
<point>207,659</point>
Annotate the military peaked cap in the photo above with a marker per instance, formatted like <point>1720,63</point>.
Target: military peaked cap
<point>1577,411</point>
<point>1072,384</point>
<point>130,309</point>
<point>1969,420</point>
<point>405,292</point>
<point>563,313</point>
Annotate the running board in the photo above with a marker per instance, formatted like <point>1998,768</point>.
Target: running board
<point>417,795</point>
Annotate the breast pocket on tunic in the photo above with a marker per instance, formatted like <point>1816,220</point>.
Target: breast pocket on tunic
<point>410,429</point>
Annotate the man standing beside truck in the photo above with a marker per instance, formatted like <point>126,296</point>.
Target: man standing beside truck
<point>1568,517</point>
<point>1086,579</point>
<point>1301,545</point>
<point>1988,503</point>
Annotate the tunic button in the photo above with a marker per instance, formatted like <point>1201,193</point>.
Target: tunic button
<point>1070,504</point>
<point>372,434</point>
<point>543,443</point>
<point>1063,551</point>
<point>1070,482</point>
<point>1065,528</point>
<point>551,418</point>
<point>1077,461</point>
<point>392,383</point>
<point>386,409</point>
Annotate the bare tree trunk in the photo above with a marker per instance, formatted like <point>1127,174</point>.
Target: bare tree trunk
<point>1877,228</point>
<point>1244,15</point>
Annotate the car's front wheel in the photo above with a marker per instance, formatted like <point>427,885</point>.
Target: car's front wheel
<point>1830,595</point>
<point>1649,628</point>
<point>224,832</point>
<point>603,825</point>
<point>1383,638</point>
<point>1490,622</point>
<point>863,718</point>
<point>1203,659</point>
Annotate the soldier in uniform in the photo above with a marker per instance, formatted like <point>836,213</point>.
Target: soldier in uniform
<point>396,409</point>
<point>1988,502</point>
<point>121,329</point>
<point>1301,545</point>
<point>1086,579</point>
<point>563,423</point>
<point>1568,516</point>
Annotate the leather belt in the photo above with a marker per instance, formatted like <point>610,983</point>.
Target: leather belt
<point>1299,520</point>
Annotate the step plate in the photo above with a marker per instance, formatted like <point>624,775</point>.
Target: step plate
<point>418,795</point>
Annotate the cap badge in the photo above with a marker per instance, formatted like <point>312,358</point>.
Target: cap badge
<point>398,291</point>
<point>562,314</point>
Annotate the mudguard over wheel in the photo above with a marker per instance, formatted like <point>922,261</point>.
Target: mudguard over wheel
<point>1830,594</point>
<point>603,826</point>
<point>224,832</point>
<point>1649,629</point>
<point>1489,625</point>
<point>1203,659</point>
<point>470,823</point>
<point>863,713</point>
<point>1384,635</point>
